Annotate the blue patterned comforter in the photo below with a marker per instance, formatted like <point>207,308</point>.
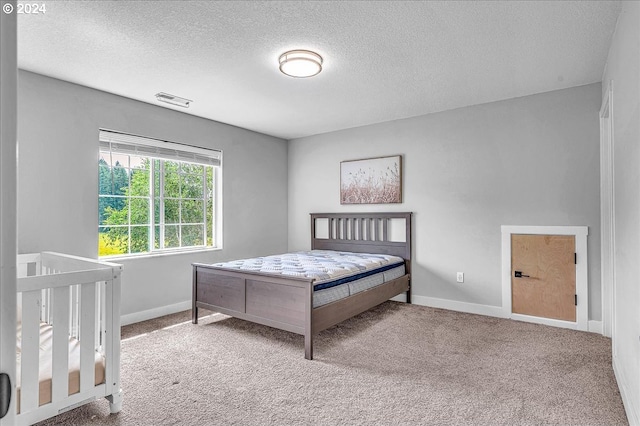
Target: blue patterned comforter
<point>328,268</point>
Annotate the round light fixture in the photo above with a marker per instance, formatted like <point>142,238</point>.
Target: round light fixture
<point>300,63</point>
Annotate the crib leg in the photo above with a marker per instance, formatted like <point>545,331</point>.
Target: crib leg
<point>115,402</point>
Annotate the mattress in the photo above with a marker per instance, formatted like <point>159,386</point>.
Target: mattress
<point>337,274</point>
<point>45,372</point>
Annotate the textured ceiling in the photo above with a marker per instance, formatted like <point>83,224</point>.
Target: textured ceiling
<point>384,60</point>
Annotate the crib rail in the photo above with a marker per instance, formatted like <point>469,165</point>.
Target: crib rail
<point>80,299</point>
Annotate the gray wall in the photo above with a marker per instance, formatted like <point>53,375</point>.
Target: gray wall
<point>58,126</point>
<point>623,68</point>
<point>525,161</point>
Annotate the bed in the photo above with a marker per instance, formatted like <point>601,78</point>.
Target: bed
<point>68,334</point>
<point>287,302</point>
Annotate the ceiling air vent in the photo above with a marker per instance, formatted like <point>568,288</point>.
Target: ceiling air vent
<point>173,100</point>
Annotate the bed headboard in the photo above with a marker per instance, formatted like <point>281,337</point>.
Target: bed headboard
<point>362,233</point>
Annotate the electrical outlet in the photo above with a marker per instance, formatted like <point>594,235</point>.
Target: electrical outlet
<point>460,277</point>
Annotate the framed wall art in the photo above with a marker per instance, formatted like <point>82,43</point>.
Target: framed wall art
<point>371,181</point>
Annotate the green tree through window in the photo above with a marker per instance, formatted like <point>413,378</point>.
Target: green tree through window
<point>148,204</point>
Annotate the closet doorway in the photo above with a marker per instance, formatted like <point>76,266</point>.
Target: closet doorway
<point>543,276</point>
<point>547,280</point>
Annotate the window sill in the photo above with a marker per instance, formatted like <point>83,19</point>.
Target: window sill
<point>116,258</point>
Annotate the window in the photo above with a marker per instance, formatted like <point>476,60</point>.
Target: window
<point>156,196</point>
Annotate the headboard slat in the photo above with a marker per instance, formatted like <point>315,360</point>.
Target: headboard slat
<point>385,230</point>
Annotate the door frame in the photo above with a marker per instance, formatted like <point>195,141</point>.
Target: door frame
<point>607,214</point>
<point>8,192</point>
<point>582,273</point>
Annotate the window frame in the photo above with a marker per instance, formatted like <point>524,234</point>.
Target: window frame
<point>138,146</point>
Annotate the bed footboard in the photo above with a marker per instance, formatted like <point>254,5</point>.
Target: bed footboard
<point>286,304</point>
<point>283,303</point>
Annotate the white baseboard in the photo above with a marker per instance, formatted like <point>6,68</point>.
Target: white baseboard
<point>488,310</point>
<point>545,321</point>
<point>454,305</point>
<point>155,313</point>
<point>433,302</point>
<point>595,326</point>
<point>630,405</point>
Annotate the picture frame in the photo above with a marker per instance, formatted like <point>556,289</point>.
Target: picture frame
<point>375,180</point>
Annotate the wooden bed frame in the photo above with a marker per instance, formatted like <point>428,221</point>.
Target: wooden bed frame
<point>286,303</point>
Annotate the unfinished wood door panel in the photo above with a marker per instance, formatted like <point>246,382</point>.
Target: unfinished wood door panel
<point>547,285</point>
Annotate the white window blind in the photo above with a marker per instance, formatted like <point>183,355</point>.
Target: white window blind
<point>147,147</point>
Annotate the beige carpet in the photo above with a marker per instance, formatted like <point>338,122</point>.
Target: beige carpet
<point>395,364</point>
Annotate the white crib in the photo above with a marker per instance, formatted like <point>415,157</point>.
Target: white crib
<point>68,326</point>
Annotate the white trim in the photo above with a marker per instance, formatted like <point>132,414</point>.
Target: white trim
<point>607,213</point>
<point>546,230</point>
<point>158,253</point>
<point>8,191</point>
<point>631,406</point>
<point>595,327</point>
<point>218,207</point>
<point>491,311</point>
<point>545,321</point>
<point>155,313</point>
<point>582,281</point>
<point>432,302</point>
<point>454,305</point>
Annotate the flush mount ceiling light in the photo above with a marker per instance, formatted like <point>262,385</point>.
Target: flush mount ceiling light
<point>300,63</point>
<point>173,100</point>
